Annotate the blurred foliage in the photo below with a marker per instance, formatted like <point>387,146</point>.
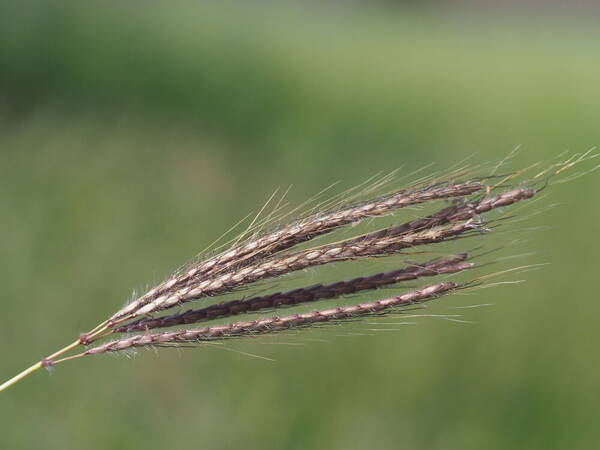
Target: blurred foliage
<point>132,135</point>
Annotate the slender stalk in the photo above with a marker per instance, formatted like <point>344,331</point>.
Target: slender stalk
<point>50,359</point>
<point>21,375</point>
<point>43,363</point>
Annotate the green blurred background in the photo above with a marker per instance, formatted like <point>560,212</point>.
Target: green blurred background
<point>132,135</point>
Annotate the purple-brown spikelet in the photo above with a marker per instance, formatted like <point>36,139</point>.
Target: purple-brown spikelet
<point>265,257</point>
<point>302,295</point>
<point>272,324</point>
<point>423,231</point>
<point>366,246</point>
<point>302,231</point>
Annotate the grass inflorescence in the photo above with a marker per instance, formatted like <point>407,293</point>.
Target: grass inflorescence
<point>265,252</point>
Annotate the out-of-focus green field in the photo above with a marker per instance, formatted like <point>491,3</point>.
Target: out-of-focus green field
<point>131,136</point>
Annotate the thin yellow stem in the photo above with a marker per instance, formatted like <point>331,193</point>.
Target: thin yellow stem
<point>71,346</point>
<point>37,366</point>
<point>96,331</point>
<point>119,321</point>
<point>102,335</point>
<point>50,359</point>
<point>20,376</point>
<point>68,358</point>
